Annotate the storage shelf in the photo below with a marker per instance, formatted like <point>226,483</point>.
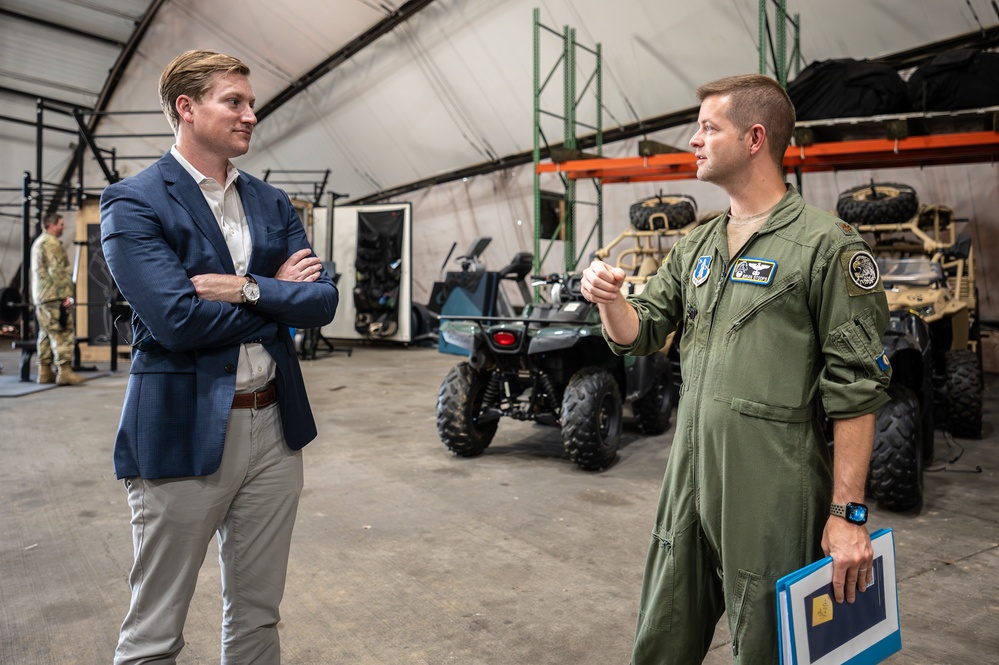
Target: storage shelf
<point>939,149</point>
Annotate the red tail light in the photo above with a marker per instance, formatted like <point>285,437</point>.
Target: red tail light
<point>504,338</point>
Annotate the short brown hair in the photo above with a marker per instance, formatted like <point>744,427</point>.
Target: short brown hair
<point>192,74</point>
<point>757,99</point>
<point>50,219</point>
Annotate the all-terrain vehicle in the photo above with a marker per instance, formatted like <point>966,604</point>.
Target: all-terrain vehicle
<point>933,336</point>
<point>551,365</point>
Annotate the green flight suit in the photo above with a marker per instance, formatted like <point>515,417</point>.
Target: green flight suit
<point>796,318</point>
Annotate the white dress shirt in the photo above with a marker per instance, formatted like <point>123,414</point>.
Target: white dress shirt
<point>256,367</point>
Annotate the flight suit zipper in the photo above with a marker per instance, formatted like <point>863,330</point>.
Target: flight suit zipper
<point>704,364</point>
<point>709,346</point>
<point>760,305</point>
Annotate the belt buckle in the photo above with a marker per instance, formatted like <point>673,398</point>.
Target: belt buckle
<point>256,395</point>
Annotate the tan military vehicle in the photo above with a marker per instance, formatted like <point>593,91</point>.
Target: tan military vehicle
<point>928,271</point>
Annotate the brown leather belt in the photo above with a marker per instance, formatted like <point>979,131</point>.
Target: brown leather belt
<point>256,400</point>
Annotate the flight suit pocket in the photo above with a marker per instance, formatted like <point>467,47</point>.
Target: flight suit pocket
<point>746,590</point>
<point>859,343</point>
<point>769,412</point>
<point>658,584</point>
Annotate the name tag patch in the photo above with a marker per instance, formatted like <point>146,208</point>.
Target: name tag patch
<point>701,270</point>
<point>754,271</point>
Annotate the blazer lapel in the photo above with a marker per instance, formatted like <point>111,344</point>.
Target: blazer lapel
<point>251,208</point>
<point>185,191</point>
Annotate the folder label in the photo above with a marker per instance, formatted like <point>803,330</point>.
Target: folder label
<point>822,609</point>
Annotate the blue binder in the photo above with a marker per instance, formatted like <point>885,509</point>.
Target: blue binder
<point>815,630</point>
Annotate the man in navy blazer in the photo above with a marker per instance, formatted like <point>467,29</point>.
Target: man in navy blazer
<point>216,267</point>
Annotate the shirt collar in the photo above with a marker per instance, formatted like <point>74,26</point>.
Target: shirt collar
<point>231,172</point>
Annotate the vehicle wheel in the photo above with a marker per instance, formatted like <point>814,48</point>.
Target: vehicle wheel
<point>459,405</point>
<point>877,204</point>
<point>895,479</point>
<point>654,409</point>
<point>964,394</point>
<point>591,418</point>
<point>679,209</point>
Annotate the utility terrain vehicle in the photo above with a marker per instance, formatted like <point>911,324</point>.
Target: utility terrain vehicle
<point>933,340</point>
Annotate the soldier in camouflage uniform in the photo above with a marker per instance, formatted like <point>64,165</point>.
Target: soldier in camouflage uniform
<point>52,294</point>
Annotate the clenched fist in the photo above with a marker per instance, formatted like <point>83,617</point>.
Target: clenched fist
<point>602,283</point>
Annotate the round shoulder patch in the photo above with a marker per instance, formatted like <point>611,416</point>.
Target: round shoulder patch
<point>863,270</point>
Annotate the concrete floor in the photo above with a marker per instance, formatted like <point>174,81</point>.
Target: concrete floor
<point>404,554</point>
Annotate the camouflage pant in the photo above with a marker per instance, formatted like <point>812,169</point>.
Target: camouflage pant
<point>55,343</point>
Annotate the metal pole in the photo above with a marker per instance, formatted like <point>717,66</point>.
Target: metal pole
<point>537,150</point>
<point>763,36</point>
<point>781,21</point>
<point>600,145</point>
<point>797,45</point>
<point>569,101</point>
<point>39,172</point>
<point>25,256</point>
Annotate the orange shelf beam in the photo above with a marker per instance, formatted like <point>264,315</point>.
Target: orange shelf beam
<point>938,149</point>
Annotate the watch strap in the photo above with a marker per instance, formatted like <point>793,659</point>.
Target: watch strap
<point>854,513</point>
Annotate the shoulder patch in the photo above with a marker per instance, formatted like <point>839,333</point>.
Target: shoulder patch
<point>861,271</point>
<point>847,229</point>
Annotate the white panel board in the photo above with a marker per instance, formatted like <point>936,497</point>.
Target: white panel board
<point>344,252</point>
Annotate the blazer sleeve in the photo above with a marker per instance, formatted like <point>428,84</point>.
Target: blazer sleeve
<point>151,268</point>
<point>294,304</point>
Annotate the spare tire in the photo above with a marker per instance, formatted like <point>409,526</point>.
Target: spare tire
<point>884,203</point>
<point>679,211</point>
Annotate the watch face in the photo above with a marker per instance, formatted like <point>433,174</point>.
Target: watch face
<point>856,512</point>
<point>251,292</point>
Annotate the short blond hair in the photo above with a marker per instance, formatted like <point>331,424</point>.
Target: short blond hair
<point>193,74</point>
<point>757,99</point>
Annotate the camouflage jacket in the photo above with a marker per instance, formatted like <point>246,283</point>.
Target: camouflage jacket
<point>51,280</point>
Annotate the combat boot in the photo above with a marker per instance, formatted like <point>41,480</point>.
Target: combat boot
<point>45,374</point>
<point>67,377</point>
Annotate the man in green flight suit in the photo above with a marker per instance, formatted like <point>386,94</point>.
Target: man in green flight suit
<point>783,311</point>
<point>52,294</point>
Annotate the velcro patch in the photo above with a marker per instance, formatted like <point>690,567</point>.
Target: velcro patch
<point>754,271</point>
<point>861,272</point>
<point>883,362</point>
<point>701,270</point>
<point>847,229</point>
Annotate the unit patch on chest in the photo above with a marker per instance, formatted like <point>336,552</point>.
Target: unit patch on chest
<point>701,270</point>
<point>754,271</point>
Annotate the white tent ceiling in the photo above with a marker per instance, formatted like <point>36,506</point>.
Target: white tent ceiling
<point>448,88</point>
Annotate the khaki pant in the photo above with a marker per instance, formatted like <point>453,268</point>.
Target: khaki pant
<point>55,344</point>
<point>251,503</point>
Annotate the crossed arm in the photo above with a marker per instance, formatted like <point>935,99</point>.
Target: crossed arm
<point>299,267</point>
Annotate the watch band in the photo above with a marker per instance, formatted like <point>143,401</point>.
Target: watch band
<point>854,513</point>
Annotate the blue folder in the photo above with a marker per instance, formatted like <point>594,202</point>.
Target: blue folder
<point>815,630</point>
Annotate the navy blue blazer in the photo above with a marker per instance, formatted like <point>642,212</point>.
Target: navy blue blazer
<point>157,232</point>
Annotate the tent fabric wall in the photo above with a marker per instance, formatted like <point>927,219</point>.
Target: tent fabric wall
<point>451,88</point>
